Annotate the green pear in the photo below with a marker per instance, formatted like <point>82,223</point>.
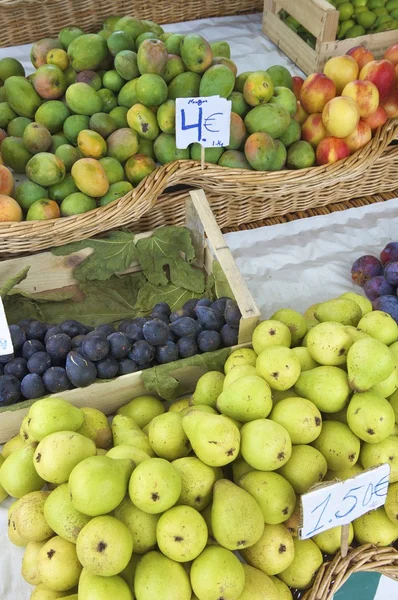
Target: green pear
<point>273,493</point>
<point>95,587</point>
<point>141,525</point>
<point>128,573</point>
<point>197,481</point>
<point>307,559</point>
<point>271,333</point>
<point>364,304</point>
<point>239,468</point>
<point>273,552</point>
<point>370,417</point>
<point>340,415</point>
<point>100,452</point>
<point>62,516</point>
<point>29,518</point>
<point>375,528</point>
<point>13,444</point>
<point>306,467</point>
<point>203,407</point>
<point>49,415</point>
<point>130,452</point>
<point>237,372</point>
<point>243,356</point>
<point>393,399</point>
<point>282,589</point>
<point>13,534</point>
<point>380,326</point>
<point>277,396</point>
<point>258,586</point>
<point>96,427</point>
<point>157,576</point>
<point>338,444</point>
<point>58,453</point>
<point>214,438</point>
<point>236,518</point>
<point>294,321</point>
<point>300,417</point>
<point>3,493</point>
<point>59,568</point>
<point>143,409</point>
<point>246,399</point>
<point>181,533</point>
<point>208,388</point>
<point>355,333</point>
<point>41,592</point>
<point>328,344</point>
<point>72,597</point>
<point>126,431</point>
<point>310,317</point>
<point>293,523</point>
<point>279,366</point>
<point>24,430</point>
<point>216,573</point>
<point>344,474</point>
<point>373,455</point>
<point>18,475</point>
<point>339,310</point>
<point>104,546</point>
<point>30,568</point>
<point>265,445</point>
<point>329,541</point>
<point>167,436</point>
<point>326,387</point>
<point>391,505</point>
<point>369,362</point>
<point>110,476</point>
<point>179,405</point>
<point>155,486</point>
<point>306,361</point>
<point>388,386</point>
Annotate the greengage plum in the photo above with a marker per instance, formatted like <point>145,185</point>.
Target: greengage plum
<point>378,286</point>
<point>389,253</point>
<point>364,268</point>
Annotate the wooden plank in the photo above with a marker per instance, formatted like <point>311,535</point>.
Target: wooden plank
<point>376,42</point>
<point>311,14</point>
<point>330,26</point>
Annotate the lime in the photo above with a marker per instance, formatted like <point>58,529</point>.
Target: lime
<point>338,2</point>
<point>344,27</point>
<point>359,2</point>
<point>366,19</point>
<point>391,5</point>
<point>346,11</point>
<point>375,4</point>
<point>355,31</point>
<point>359,10</point>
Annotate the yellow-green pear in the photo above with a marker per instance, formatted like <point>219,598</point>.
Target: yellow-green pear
<point>370,417</point>
<point>293,523</point>
<point>300,417</point>
<point>237,372</point>
<point>310,317</point>
<point>203,407</point>
<point>339,310</point>
<point>304,355</point>
<point>368,362</point>
<point>393,399</point>
<point>302,571</point>
<point>294,321</point>
<point>30,568</point>
<point>355,333</point>
<point>167,436</point>
<point>364,303</point>
<point>375,528</point>
<point>214,438</point>
<point>181,533</point>
<point>110,476</point>
<point>13,444</point>
<point>143,409</point>
<point>243,356</point>
<point>72,597</point>
<point>95,587</point>
<point>282,589</point>
<point>141,525</point>
<point>128,573</point>
<point>155,486</point>
<point>24,430</point>
<point>18,475</point>
<point>236,518</point>
<point>373,455</point>
<point>49,415</point>
<point>271,333</point>
<point>258,586</point>
<point>41,592</point>
<point>391,505</point>
<point>239,468</point>
<point>305,467</point>
<point>216,573</point>
<point>100,452</point>
<point>3,493</point>
<point>246,399</point>
<point>96,427</point>
<point>326,387</point>
<point>197,481</point>
<point>265,445</point>
<point>340,415</point>
<point>179,405</point>
<point>329,541</point>
<point>58,453</point>
<point>328,344</point>
<point>208,388</point>
<point>62,516</point>
<point>344,474</point>
<point>273,493</point>
<point>130,452</point>
<point>338,444</point>
<point>157,576</point>
<point>277,396</point>
<point>126,431</point>
<point>59,568</point>
<point>13,535</point>
<point>29,517</point>
<point>273,552</point>
<point>388,386</point>
<point>380,326</point>
<point>279,366</point>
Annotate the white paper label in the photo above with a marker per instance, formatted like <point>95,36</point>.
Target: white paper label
<point>203,120</point>
<point>5,337</point>
<point>342,502</point>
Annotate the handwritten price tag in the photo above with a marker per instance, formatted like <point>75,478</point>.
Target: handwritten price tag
<point>5,337</point>
<point>342,502</point>
<point>203,120</point>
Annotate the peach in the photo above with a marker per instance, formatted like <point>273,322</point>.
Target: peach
<point>378,118</point>
<point>391,54</point>
<point>316,92</point>
<point>313,129</point>
<point>361,55</point>
<point>390,104</point>
<point>340,116</point>
<point>6,181</point>
<point>341,70</point>
<point>301,114</point>
<point>365,94</point>
<point>361,135</point>
<point>9,209</point>
<point>330,150</point>
<point>382,74</point>
<point>297,85</point>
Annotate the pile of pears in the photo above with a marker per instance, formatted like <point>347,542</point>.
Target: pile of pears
<point>201,500</point>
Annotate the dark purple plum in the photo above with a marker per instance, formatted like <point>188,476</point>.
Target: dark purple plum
<point>35,331</point>
<point>162,307</point>
<point>95,347</point>
<point>52,331</point>
<point>30,347</point>
<point>81,372</point>
<point>184,327</point>
<point>167,353</point>
<point>16,367</point>
<point>388,304</point>
<point>142,352</point>
<point>1,369</point>
<point>119,344</point>
<point>208,341</point>
<point>32,386</point>
<point>391,272</point>
<point>190,305</point>
<point>378,286</point>
<point>141,320</point>
<point>124,324</point>
<point>220,305</point>
<point>160,317</point>
<point>6,358</point>
<point>232,314</point>
<point>57,348</point>
<point>172,337</point>
<point>18,337</point>
<point>181,312</point>
<point>39,362</point>
<point>25,323</point>
<point>77,341</point>
<point>56,380</point>
<point>10,390</point>
<point>126,366</point>
<point>95,333</point>
<point>134,332</point>
<point>204,302</point>
<point>106,328</point>
<point>389,253</point>
<point>156,332</point>
<point>72,328</point>
<point>209,318</point>
<point>107,368</point>
<point>229,335</point>
<point>187,347</point>
<point>364,268</point>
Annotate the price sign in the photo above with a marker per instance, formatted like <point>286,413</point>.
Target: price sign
<point>203,120</point>
<point>5,337</point>
<point>340,503</point>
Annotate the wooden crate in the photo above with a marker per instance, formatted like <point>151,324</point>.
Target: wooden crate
<point>57,272</point>
<point>321,19</point>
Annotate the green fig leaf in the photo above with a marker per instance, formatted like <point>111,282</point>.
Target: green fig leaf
<point>8,285</point>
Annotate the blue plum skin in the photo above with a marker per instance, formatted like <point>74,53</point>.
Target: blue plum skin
<point>389,253</point>
<point>391,272</point>
<point>364,268</point>
<point>388,304</point>
<point>378,286</point>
